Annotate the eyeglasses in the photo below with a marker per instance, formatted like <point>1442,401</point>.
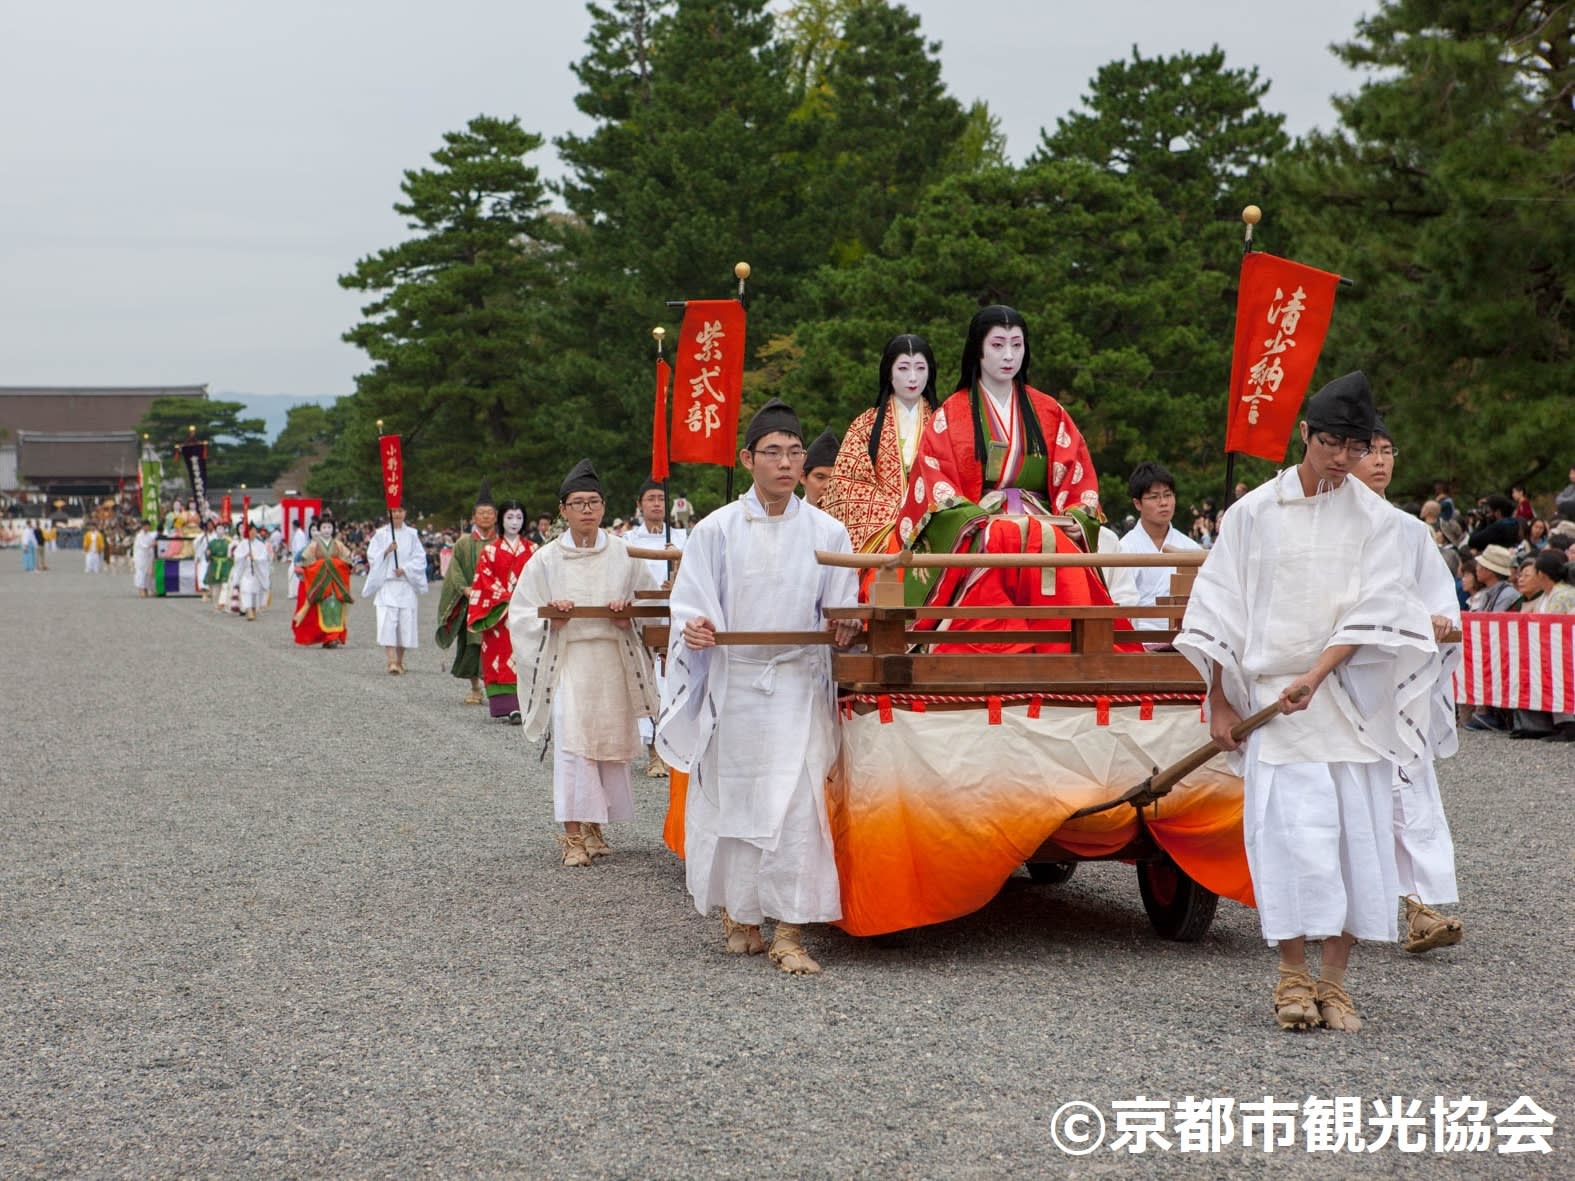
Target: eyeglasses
<point>1355,448</point>
<point>1159,497</point>
<point>1386,452</point>
<point>777,454</point>
<point>588,505</point>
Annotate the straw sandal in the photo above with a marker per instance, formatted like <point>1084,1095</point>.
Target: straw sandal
<point>787,951</point>
<point>742,938</point>
<point>1295,1003</point>
<point>474,697</point>
<point>574,852</point>
<point>595,844</point>
<point>1426,928</point>
<point>1336,1008</point>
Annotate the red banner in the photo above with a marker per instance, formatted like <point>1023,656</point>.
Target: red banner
<point>659,466</point>
<point>1517,661</point>
<point>224,511</point>
<point>393,460</point>
<point>709,382</point>
<point>246,514</point>
<point>1282,315</point>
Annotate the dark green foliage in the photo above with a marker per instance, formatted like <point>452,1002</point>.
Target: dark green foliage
<point>238,451</point>
<point>1449,196</point>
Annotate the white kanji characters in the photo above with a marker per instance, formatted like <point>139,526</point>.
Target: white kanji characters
<point>1274,1120</point>
<point>1139,1123</point>
<point>1333,1125</point>
<point>710,332</point>
<point>1203,1125</point>
<point>1461,1125</point>
<point>1524,1127</point>
<point>1401,1121</point>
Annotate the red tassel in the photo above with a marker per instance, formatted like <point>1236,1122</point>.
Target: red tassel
<point>1102,711</point>
<point>995,711</point>
<point>884,702</point>
<point>918,706</point>
<point>1146,709</point>
<point>1033,707</point>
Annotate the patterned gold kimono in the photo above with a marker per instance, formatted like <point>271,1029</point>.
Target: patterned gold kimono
<point>865,497</point>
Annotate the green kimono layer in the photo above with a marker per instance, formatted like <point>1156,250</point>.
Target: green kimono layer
<point>454,604</point>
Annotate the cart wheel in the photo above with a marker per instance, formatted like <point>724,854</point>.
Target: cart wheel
<point>1051,873</point>
<point>1177,906</point>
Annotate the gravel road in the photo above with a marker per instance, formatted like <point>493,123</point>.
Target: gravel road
<point>269,911</point>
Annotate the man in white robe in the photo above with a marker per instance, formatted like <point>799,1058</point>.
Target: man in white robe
<point>300,537</point>
<point>1424,850</point>
<point>1302,592</point>
<point>142,549</point>
<point>588,677</point>
<point>650,532</point>
<point>755,727</point>
<point>396,574</point>
<point>1153,492</point>
<point>252,574</point>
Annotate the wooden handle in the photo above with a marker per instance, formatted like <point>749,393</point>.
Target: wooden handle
<point>1170,776</point>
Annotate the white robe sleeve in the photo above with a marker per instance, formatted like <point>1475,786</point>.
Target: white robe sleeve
<point>536,645</point>
<point>413,560</point>
<point>379,566</point>
<point>696,679</point>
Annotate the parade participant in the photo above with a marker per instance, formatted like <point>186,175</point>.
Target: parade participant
<point>173,518</point>
<point>1301,603</point>
<point>202,553</point>
<point>1424,850</point>
<point>497,572</point>
<point>1153,493</point>
<point>870,477</point>
<point>300,536</point>
<point>93,548</point>
<point>323,589</point>
<point>683,512</point>
<point>590,678</point>
<point>820,459</point>
<point>756,727</point>
<point>252,574</point>
<point>454,599</point>
<point>142,547</point>
<point>997,459</point>
<point>221,566</point>
<point>650,531</point>
<point>44,536</point>
<point>30,549</point>
<point>396,574</point>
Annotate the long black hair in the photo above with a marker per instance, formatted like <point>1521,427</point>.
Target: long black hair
<point>998,316</point>
<point>902,345</point>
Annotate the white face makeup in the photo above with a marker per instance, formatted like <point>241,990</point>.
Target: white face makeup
<point>513,522</point>
<point>910,373</point>
<point>1001,355</point>
<point>326,529</point>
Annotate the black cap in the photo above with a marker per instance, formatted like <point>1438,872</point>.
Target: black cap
<point>822,452</point>
<point>581,478</point>
<point>1344,407</point>
<point>484,495</point>
<point>775,415</point>
<point>1381,428</point>
<point>648,486</point>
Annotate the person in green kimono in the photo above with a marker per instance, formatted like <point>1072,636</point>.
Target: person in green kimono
<point>220,564</point>
<point>454,602</point>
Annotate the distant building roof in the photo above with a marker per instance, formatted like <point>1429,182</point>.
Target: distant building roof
<point>84,408</point>
<point>89,457</point>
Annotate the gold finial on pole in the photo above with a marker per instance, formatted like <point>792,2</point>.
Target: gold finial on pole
<point>742,271</point>
<point>1250,217</point>
<point>191,430</point>
<point>380,426</point>
<point>659,334</point>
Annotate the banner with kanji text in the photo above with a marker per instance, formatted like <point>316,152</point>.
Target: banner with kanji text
<point>393,469</point>
<point>1282,316</point>
<point>708,383</point>
<point>659,462</point>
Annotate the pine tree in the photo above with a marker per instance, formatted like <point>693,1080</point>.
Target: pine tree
<point>454,329</point>
<point>1446,194</point>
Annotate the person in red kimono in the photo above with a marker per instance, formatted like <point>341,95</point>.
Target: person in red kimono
<point>324,589</point>
<point>498,568</point>
<point>995,463</point>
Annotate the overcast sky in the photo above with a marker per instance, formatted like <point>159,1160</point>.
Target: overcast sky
<point>182,181</point>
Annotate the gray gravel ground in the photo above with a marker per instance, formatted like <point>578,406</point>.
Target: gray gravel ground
<point>266,910</point>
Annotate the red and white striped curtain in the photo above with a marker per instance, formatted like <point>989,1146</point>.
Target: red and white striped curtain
<point>1517,661</point>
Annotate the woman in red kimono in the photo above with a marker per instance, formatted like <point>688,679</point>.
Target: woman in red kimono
<point>498,568</point>
<point>324,590</point>
<point>996,461</point>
